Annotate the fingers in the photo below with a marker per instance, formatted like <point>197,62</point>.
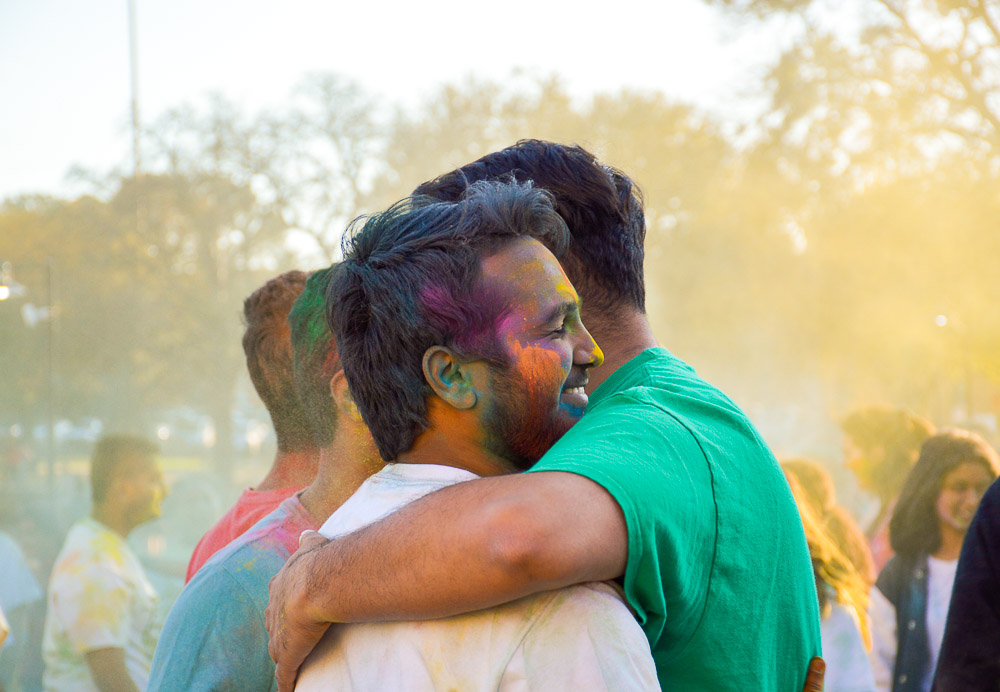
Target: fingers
<point>310,539</point>
<point>814,679</point>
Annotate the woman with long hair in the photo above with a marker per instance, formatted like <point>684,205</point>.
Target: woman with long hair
<point>843,603</point>
<point>836,521</point>
<point>909,604</point>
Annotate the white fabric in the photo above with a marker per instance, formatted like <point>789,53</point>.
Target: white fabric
<point>940,580</point>
<point>579,638</point>
<point>99,597</point>
<point>847,665</point>
<point>883,624</point>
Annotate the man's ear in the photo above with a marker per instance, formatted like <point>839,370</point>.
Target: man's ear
<point>449,377</point>
<point>341,394</point>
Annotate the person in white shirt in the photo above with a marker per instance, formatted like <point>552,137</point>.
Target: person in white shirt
<point>492,370</point>
<point>101,626</point>
<point>909,603</point>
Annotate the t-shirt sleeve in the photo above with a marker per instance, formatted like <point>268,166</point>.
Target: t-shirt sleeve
<point>93,603</point>
<point>659,476</point>
<point>585,640</point>
<point>213,639</point>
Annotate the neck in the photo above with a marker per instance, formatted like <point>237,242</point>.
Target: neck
<point>343,467</point>
<point>951,543</point>
<point>454,438</point>
<point>110,516</point>
<point>621,339</point>
<point>291,469</point>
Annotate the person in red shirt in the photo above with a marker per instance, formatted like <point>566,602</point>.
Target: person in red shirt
<point>268,348</point>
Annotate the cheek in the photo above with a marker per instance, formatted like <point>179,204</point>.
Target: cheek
<point>541,370</point>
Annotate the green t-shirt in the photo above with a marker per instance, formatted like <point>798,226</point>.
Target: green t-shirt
<point>718,569</point>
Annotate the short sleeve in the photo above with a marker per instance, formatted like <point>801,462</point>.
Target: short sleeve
<point>654,469</point>
<point>214,638</point>
<point>92,601</point>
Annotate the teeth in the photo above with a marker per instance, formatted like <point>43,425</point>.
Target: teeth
<point>574,390</point>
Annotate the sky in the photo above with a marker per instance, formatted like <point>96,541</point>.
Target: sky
<point>64,64</point>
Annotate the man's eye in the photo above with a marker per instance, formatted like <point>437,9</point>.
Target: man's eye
<point>561,330</point>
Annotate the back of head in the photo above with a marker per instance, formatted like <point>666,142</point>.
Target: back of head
<point>897,433</point>
<point>849,537</point>
<point>601,207</point>
<point>834,572</point>
<point>315,356</point>
<point>816,483</point>
<point>410,280</point>
<point>268,348</point>
<point>913,529</point>
<point>115,457</point>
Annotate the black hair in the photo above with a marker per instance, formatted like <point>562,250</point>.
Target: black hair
<point>410,280</point>
<point>315,356</point>
<point>106,461</point>
<point>268,349</point>
<point>913,529</point>
<point>601,206</point>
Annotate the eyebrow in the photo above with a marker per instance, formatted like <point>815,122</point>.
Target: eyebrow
<point>561,310</point>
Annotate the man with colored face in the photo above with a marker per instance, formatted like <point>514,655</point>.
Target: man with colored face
<point>461,339</point>
<point>664,486</point>
<point>100,627</point>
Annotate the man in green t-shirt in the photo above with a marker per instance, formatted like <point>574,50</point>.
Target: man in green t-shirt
<point>664,485</point>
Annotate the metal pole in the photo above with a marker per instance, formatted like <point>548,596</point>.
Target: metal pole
<point>133,69</point>
<point>50,366</point>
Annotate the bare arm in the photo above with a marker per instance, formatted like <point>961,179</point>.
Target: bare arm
<point>107,668</point>
<point>466,547</point>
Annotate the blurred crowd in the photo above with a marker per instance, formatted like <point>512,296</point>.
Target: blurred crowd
<point>899,596</point>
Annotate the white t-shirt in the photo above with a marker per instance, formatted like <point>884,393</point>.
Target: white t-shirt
<point>579,638</point>
<point>847,665</point>
<point>940,580</point>
<point>99,598</point>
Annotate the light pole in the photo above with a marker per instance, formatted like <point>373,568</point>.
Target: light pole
<point>8,288</point>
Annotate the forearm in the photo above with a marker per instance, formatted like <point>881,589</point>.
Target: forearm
<point>467,547</point>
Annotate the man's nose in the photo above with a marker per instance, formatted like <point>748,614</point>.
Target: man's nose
<point>587,353</point>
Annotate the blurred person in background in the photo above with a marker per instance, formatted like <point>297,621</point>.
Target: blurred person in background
<point>843,602</point>
<point>817,484</point>
<point>880,446</point>
<point>268,348</point>
<point>21,600</point>
<point>970,652</point>
<point>909,604</point>
<point>100,628</point>
<point>214,636</point>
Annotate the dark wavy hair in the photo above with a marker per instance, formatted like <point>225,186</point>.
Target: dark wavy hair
<point>410,280</point>
<point>601,206</point>
<point>314,355</point>
<point>913,529</point>
<point>268,348</point>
